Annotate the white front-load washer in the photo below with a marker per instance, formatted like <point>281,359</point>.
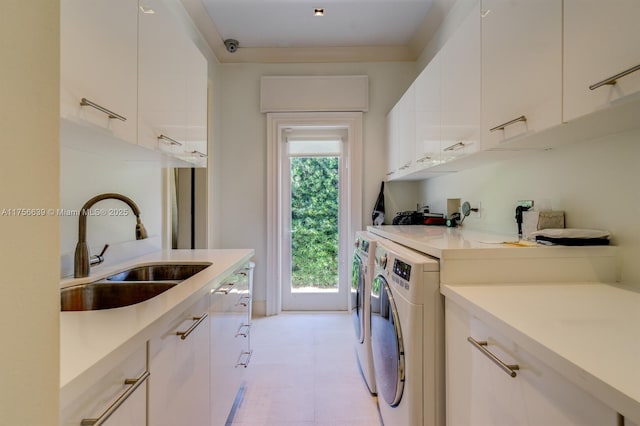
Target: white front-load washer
<point>361,278</point>
<point>407,336</point>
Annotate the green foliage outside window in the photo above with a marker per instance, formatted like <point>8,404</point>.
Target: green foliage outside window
<point>314,221</point>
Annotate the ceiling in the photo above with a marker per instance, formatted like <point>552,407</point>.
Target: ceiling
<point>287,30</point>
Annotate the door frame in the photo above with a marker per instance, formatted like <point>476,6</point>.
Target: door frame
<point>276,122</point>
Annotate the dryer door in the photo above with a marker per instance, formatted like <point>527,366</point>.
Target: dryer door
<point>357,288</point>
<point>386,343</point>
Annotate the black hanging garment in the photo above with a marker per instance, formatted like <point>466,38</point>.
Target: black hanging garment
<point>378,209</point>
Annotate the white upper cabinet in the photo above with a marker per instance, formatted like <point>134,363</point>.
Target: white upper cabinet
<point>428,119</point>
<point>460,82</point>
<point>401,134</point>
<point>521,68</point>
<point>601,40</point>
<point>172,85</point>
<point>98,63</point>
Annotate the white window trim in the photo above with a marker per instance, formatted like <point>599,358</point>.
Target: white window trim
<point>276,122</point>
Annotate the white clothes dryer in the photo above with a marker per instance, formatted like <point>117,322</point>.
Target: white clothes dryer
<point>407,337</point>
<point>361,277</point>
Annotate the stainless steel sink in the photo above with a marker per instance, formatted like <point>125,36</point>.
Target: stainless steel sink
<point>161,272</point>
<point>110,294</point>
<point>128,287</point>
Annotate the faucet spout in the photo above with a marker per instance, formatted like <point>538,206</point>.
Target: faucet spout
<point>82,260</point>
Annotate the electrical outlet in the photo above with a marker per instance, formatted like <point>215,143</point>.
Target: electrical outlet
<point>525,203</point>
<point>478,212</point>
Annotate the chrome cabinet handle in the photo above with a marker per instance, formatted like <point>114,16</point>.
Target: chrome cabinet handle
<point>455,146</point>
<point>246,333</point>
<point>198,320</point>
<point>241,301</point>
<point>243,354</point>
<point>110,114</point>
<point>612,79</point>
<point>423,159</point>
<point>135,384</point>
<point>199,154</point>
<point>509,123</point>
<point>167,139</point>
<point>510,369</point>
<point>225,288</point>
<point>390,173</point>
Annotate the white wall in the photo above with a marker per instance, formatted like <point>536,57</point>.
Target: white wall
<point>84,175</point>
<point>29,294</point>
<point>239,146</point>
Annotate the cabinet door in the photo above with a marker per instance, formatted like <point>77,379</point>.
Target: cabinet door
<point>600,41</point>
<point>172,85</point>
<point>521,68</point>
<point>460,101</point>
<point>100,396</point>
<point>392,143</point>
<point>428,128</point>
<point>407,130</point>
<point>179,366</point>
<point>98,62</point>
<point>481,393</point>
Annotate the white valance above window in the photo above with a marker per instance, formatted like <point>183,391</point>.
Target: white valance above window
<point>314,93</point>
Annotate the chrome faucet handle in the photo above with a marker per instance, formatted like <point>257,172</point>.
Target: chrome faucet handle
<point>98,259</point>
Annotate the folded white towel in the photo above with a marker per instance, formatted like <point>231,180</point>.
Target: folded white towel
<point>570,233</point>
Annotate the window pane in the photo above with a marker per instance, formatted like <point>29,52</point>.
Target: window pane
<point>314,223</point>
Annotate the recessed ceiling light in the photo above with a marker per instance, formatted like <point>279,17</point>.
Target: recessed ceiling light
<point>318,11</point>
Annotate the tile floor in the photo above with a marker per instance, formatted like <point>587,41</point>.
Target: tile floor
<point>304,372</point>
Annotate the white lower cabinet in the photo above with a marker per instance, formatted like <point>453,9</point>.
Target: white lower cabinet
<point>481,392</point>
<point>119,398</point>
<point>179,365</point>
<point>230,312</point>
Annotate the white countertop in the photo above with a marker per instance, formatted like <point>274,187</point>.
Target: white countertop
<point>461,243</point>
<point>588,332</point>
<point>91,340</point>
<point>476,257</point>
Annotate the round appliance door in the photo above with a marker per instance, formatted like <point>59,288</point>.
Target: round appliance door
<point>357,289</point>
<point>386,343</point>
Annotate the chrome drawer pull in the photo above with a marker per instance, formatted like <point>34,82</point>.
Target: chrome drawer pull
<point>199,154</point>
<point>509,123</point>
<point>510,369</point>
<point>184,334</point>
<point>167,139</point>
<point>135,384</point>
<point>241,301</point>
<point>246,333</point>
<point>246,354</point>
<point>612,79</point>
<point>225,290</point>
<point>110,114</point>
<point>425,158</point>
<point>455,146</point>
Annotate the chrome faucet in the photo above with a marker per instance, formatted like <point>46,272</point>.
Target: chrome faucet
<point>82,260</point>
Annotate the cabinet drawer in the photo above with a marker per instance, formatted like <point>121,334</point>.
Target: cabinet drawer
<point>179,360</point>
<point>97,399</point>
<point>517,388</point>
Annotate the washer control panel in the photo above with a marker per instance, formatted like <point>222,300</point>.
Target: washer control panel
<point>402,269</point>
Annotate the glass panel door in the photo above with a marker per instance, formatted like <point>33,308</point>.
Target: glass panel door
<point>313,276</point>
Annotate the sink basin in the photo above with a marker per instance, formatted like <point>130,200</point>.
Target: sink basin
<point>107,295</point>
<point>128,287</point>
<point>161,272</point>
